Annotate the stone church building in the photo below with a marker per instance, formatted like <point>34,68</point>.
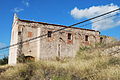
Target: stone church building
<point>47,41</point>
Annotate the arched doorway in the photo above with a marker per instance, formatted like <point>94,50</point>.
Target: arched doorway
<point>29,58</point>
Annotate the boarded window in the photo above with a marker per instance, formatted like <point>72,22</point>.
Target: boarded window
<point>86,37</point>
<point>69,36</point>
<point>49,33</point>
<point>30,34</point>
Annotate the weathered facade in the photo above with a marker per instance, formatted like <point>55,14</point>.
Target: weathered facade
<point>48,41</point>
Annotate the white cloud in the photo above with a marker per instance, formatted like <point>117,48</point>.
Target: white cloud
<point>97,10</point>
<point>2,45</point>
<point>18,9</point>
<point>26,3</point>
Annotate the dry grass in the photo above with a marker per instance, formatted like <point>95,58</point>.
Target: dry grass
<point>88,65</point>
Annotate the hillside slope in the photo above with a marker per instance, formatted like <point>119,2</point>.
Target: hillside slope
<point>99,63</point>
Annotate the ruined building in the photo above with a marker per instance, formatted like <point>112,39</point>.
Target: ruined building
<point>48,41</point>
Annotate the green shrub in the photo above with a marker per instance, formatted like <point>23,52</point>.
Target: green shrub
<point>4,61</point>
<point>114,61</point>
<point>84,48</point>
<point>21,58</point>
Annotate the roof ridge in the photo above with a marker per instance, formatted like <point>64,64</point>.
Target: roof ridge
<point>56,25</point>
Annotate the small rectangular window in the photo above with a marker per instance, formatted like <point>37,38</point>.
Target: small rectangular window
<point>69,36</point>
<point>49,33</point>
<point>19,32</point>
<point>86,37</point>
<point>101,39</point>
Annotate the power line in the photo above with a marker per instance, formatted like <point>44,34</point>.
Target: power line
<point>59,29</point>
<point>95,17</point>
<point>100,19</point>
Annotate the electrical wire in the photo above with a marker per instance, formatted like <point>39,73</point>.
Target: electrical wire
<point>61,29</point>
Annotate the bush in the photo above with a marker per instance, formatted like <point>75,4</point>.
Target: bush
<point>89,64</point>
<point>114,61</point>
<point>4,61</point>
<point>21,58</point>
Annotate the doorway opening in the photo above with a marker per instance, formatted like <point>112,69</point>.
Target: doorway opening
<point>29,58</point>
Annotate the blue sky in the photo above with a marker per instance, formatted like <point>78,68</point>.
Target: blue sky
<point>52,11</point>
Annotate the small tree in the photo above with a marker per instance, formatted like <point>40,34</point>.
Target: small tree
<point>4,61</point>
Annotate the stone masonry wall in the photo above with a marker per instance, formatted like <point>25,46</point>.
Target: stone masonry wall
<point>58,45</point>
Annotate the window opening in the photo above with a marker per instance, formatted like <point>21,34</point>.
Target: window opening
<point>86,38</point>
<point>69,36</point>
<point>49,33</point>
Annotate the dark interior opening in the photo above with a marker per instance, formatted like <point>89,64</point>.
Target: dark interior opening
<point>29,58</point>
<point>101,39</point>
<point>49,33</point>
<point>86,37</point>
<point>19,33</point>
<point>69,36</point>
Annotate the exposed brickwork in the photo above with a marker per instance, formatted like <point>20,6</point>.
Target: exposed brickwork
<point>30,34</point>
